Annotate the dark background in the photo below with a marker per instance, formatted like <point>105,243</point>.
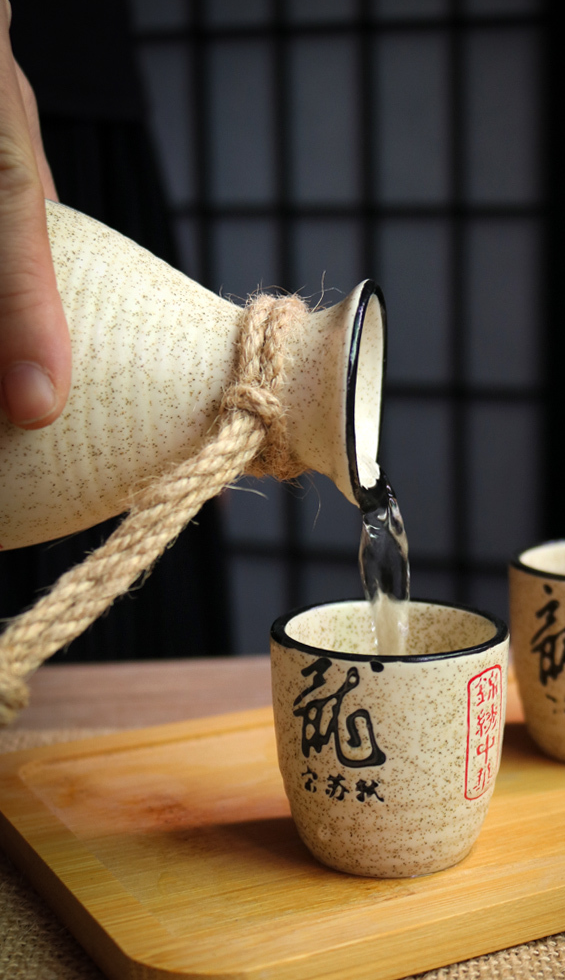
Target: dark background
<point>416,142</point>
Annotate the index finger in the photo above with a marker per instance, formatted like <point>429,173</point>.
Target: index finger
<point>35,353</point>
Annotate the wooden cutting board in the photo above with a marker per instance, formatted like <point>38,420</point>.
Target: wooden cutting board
<point>169,853</point>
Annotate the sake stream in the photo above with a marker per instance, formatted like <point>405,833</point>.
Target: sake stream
<point>384,567</point>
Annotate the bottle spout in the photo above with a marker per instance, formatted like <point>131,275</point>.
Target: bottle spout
<point>365,380</point>
<point>334,390</point>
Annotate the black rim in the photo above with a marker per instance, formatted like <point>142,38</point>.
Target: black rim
<point>522,567</point>
<point>280,636</point>
<point>370,289</point>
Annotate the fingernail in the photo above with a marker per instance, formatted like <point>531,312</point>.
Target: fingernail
<point>28,394</point>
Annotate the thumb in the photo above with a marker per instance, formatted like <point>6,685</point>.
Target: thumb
<point>35,353</point>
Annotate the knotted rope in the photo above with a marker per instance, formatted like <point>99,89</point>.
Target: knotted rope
<point>250,438</point>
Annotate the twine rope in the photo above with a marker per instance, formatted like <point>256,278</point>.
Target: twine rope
<point>250,438</point>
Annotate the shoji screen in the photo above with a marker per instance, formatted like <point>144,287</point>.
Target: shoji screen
<point>309,144</point>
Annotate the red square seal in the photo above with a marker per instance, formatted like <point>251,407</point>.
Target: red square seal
<point>484,726</point>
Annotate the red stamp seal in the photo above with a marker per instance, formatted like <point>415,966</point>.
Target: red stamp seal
<point>484,726</point>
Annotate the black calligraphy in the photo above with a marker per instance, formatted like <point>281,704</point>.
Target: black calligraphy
<point>367,789</point>
<point>338,789</point>
<point>318,669</point>
<point>311,777</point>
<point>547,643</point>
<point>321,720</point>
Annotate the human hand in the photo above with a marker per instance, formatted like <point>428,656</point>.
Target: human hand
<point>35,349</point>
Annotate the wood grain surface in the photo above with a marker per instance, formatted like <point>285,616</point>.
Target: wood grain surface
<point>170,852</point>
<point>138,693</point>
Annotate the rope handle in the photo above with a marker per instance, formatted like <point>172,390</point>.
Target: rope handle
<point>251,438</point>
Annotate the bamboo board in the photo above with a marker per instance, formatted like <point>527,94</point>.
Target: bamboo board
<point>170,852</point>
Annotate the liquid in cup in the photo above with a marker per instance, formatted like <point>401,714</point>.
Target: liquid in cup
<point>389,762</point>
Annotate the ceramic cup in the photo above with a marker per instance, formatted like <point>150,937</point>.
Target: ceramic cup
<point>389,762</point>
<point>537,624</point>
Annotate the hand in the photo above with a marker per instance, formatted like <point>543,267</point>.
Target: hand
<point>35,349</point>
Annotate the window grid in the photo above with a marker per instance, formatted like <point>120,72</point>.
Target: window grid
<point>368,212</point>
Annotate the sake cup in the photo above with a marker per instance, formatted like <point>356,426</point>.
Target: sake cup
<point>389,762</point>
<point>537,627</point>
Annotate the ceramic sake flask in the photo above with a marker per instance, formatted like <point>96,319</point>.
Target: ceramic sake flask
<point>389,762</point>
<point>152,353</point>
<point>537,626</point>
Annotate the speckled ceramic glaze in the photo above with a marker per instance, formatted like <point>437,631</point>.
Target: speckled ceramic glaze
<point>152,354</point>
<point>389,763</point>
<point>537,630</point>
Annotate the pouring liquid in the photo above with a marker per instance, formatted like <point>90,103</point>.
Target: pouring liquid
<point>384,567</point>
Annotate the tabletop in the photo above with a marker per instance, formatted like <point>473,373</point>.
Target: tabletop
<point>134,694</point>
<point>79,700</point>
